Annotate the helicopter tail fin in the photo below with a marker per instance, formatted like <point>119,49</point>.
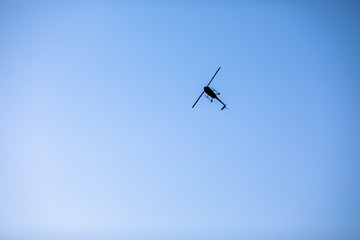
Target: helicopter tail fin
<point>222,104</point>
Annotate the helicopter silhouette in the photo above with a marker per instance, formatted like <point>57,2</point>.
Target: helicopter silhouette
<point>211,93</point>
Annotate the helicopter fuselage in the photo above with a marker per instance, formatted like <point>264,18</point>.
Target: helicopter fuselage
<point>209,92</point>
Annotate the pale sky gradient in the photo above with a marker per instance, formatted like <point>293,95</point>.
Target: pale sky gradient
<point>98,139</point>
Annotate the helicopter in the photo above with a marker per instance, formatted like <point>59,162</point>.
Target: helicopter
<point>211,93</point>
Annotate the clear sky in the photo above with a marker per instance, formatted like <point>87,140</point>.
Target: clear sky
<point>98,139</point>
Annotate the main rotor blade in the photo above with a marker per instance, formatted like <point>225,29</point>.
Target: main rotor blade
<point>214,76</point>
<point>198,99</point>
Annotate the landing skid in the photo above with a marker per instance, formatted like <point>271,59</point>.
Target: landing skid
<point>207,96</point>
<point>216,92</point>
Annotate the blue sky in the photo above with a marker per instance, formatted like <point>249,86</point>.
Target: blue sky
<point>99,141</point>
